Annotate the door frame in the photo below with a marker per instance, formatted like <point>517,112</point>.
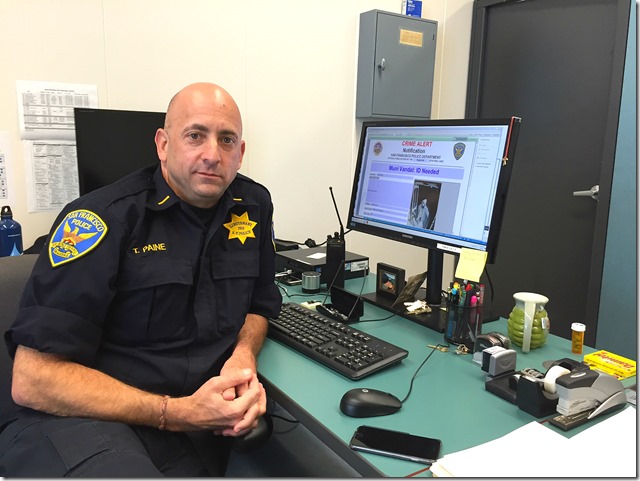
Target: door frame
<point>473,104</point>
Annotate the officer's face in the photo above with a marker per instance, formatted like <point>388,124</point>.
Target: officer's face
<point>201,146</point>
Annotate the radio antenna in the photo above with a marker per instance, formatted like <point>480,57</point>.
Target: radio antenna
<point>337,213</point>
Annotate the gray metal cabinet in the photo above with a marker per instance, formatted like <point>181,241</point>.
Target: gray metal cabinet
<point>396,60</point>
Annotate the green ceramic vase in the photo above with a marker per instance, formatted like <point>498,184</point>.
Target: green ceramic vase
<point>540,325</point>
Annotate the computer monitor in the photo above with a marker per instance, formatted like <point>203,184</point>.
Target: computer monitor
<point>438,184</point>
<point>113,143</point>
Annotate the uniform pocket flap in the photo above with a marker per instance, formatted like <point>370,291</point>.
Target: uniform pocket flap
<point>228,265</point>
<point>145,272</point>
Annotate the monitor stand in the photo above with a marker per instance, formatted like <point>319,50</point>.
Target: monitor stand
<point>436,319</point>
<point>439,316</point>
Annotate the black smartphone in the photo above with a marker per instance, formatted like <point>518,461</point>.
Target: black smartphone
<point>396,444</point>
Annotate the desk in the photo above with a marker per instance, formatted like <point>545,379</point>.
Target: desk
<point>448,400</point>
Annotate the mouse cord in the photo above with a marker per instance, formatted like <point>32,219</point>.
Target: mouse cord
<point>284,289</point>
<point>286,292</point>
<point>418,370</point>
<point>376,320</point>
<point>271,408</point>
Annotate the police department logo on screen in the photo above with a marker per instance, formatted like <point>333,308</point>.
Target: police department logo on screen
<point>78,233</point>
<point>458,150</point>
<point>377,148</point>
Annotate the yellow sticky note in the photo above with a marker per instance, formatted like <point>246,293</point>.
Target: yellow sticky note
<point>471,264</point>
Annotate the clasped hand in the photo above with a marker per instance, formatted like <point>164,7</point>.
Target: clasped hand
<point>229,404</point>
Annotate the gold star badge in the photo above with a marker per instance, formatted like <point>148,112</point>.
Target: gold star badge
<point>241,227</point>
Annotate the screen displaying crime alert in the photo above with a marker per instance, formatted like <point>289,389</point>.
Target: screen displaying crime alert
<point>435,182</point>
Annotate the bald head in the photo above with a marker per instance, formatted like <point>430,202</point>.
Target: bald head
<point>205,94</point>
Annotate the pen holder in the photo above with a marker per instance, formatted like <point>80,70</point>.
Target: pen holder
<point>464,324</point>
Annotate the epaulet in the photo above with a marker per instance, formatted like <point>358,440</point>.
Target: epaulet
<point>240,179</point>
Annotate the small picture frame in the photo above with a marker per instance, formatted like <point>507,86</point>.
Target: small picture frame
<point>389,280</point>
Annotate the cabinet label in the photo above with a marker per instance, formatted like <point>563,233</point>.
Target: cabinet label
<point>410,37</point>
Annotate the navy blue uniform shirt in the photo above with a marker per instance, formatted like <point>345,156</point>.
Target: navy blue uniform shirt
<point>136,284</point>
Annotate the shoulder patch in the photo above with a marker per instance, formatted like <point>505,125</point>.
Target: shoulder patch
<point>78,233</point>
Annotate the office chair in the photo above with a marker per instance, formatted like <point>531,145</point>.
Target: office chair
<point>14,272</point>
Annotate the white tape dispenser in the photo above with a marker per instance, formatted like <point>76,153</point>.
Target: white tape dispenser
<point>538,395</point>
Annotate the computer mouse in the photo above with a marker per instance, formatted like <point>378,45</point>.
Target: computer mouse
<point>363,403</point>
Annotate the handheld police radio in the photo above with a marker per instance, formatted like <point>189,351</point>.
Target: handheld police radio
<point>334,267</point>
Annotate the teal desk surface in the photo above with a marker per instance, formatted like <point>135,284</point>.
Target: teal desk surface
<point>448,400</point>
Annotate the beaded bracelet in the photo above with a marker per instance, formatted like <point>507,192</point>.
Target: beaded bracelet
<point>163,419</point>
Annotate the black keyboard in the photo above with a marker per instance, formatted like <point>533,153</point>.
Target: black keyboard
<point>346,350</point>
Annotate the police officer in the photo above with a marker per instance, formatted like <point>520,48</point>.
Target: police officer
<point>136,339</point>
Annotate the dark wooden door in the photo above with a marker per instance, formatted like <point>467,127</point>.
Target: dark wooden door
<point>557,64</point>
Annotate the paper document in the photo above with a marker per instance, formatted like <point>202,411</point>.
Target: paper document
<point>45,109</point>
<point>51,168</point>
<point>5,145</point>
<point>535,450</point>
<point>47,127</point>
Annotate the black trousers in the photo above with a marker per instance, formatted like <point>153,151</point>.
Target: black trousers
<point>40,445</point>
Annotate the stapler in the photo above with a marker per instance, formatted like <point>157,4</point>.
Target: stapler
<point>587,394</point>
<point>573,390</point>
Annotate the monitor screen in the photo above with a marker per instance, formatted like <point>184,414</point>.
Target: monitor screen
<point>438,184</point>
<point>113,143</point>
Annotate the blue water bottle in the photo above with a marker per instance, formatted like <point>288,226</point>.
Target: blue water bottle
<point>10,234</point>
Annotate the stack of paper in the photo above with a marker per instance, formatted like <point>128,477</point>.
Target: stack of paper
<point>606,449</point>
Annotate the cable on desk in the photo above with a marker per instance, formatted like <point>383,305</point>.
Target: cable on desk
<point>375,320</point>
<point>310,243</point>
<point>486,271</point>
<point>292,421</point>
<point>286,292</point>
<point>434,349</point>
<point>271,408</point>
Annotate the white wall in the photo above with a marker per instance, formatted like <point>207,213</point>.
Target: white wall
<point>290,64</point>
